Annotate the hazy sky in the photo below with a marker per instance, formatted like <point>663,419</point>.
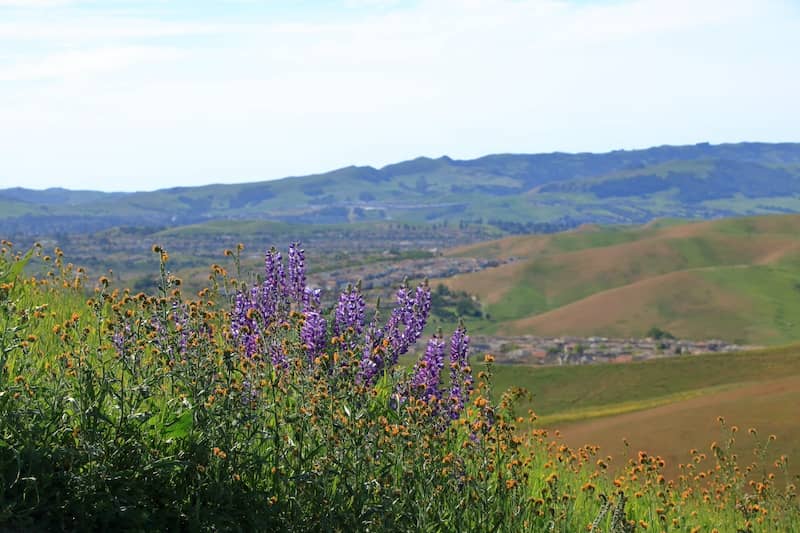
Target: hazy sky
<point>144,94</point>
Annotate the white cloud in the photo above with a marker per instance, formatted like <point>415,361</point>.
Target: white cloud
<point>187,101</point>
<point>34,3</point>
<point>360,4</point>
<point>648,17</point>
<point>86,62</point>
<point>92,28</point>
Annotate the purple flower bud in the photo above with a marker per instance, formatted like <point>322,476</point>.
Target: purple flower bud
<point>408,319</point>
<point>277,356</point>
<point>404,327</point>
<point>274,275</point>
<point>119,343</point>
<point>258,308</point>
<point>422,302</point>
<point>313,334</point>
<point>239,314</point>
<point>349,312</point>
<point>244,327</point>
<point>372,359</point>
<point>311,298</point>
<point>296,283</point>
<point>122,339</point>
<point>180,317</point>
<point>249,393</point>
<point>461,381</point>
<point>428,371</point>
<point>272,290</point>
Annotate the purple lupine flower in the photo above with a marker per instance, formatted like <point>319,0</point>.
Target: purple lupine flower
<point>249,393</point>
<point>273,289</point>
<point>121,340</point>
<point>274,274</point>
<point>296,282</point>
<point>313,333</point>
<point>384,346</point>
<point>256,309</point>
<point>368,370</point>
<point>180,318</point>
<point>372,359</point>
<point>417,319</point>
<point>311,298</point>
<point>161,338</point>
<point>422,301</point>
<point>349,312</point>
<point>119,343</point>
<point>277,356</point>
<point>408,320</point>
<point>239,315</point>
<point>461,381</point>
<point>264,300</point>
<point>395,326</point>
<point>428,371</point>
<point>251,345</point>
<point>244,328</point>
<point>155,323</point>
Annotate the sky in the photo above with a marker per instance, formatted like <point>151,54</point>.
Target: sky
<point>124,95</point>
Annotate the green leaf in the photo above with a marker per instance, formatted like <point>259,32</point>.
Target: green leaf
<point>383,388</point>
<point>180,427</point>
<point>16,267</point>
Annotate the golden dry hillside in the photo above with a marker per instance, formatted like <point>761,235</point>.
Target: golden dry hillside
<point>734,279</point>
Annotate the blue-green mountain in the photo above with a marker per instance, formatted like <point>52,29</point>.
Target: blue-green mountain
<point>515,192</point>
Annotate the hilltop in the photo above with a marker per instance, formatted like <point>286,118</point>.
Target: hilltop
<point>732,279</point>
<point>516,193</point>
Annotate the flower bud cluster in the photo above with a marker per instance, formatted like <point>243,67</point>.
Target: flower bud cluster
<point>283,296</point>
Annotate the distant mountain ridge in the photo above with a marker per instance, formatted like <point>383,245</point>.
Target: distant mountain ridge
<point>515,192</point>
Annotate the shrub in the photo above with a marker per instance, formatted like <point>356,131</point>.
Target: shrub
<point>252,407</point>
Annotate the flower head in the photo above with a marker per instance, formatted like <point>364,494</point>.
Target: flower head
<point>314,333</point>
<point>295,285</point>
<point>349,312</point>
<point>428,370</point>
<point>461,381</point>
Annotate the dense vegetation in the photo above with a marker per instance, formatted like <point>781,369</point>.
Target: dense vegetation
<point>451,306</point>
<point>252,407</point>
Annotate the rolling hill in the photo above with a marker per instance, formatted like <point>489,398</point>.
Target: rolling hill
<point>733,279</point>
<point>668,406</point>
<point>517,193</point>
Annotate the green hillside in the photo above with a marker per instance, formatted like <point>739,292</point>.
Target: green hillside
<point>517,193</point>
<point>734,279</point>
<point>668,406</point>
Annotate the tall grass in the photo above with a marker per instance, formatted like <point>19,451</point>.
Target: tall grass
<point>222,411</point>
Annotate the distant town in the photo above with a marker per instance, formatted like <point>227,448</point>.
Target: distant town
<point>533,350</point>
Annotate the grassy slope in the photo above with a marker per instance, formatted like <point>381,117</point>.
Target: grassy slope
<point>667,406</point>
<point>10,208</point>
<point>672,429</point>
<point>505,187</point>
<point>733,279</point>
